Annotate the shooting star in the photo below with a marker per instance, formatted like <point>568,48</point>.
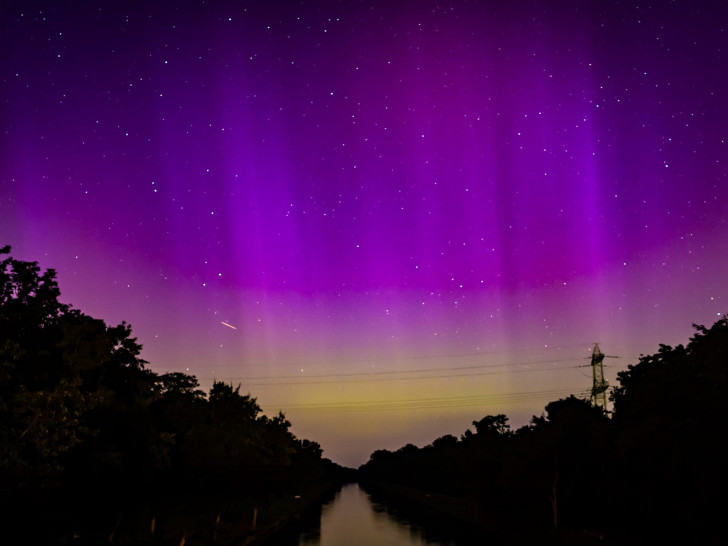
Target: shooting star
<point>228,325</point>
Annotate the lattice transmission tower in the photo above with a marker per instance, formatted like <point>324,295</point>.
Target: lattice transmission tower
<point>599,384</point>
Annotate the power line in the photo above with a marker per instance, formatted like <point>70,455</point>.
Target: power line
<point>357,377</point>
<point>442,368</point>
<point>378,379</point>
<point>399,358</point>
<point>427,403</point>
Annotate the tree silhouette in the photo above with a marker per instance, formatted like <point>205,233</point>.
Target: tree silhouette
<point>659,458</point>
<point>670,411</point>
<point>82,418</point>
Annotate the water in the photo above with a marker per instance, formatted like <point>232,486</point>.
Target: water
<point>353,519</point>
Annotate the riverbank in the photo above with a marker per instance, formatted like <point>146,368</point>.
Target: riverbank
<point>457,517</point>
<point>252,517</point>
<point>274,530</point>
<point>468,521</point>
<point>196,512</point>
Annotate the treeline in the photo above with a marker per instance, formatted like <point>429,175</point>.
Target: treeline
<point>653,469</point>
<point>93,443</point>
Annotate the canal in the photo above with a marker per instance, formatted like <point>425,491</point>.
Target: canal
<point>354,518</point>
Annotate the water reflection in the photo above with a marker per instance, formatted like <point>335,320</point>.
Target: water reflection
<point>353,518</point>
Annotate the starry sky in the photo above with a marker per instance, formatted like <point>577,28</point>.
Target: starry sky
<point>386,218</point>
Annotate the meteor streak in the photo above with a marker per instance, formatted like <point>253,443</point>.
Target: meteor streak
<point>228,325</point>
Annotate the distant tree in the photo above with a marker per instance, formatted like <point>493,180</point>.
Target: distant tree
<point>445,442</point>
<point>491,425</point>
<point>550,466</point>
<point>235,436</point>
<point>279,444</point>
<point>227,402</point>
<point>380,457</point>
<point>179,385</point>
<point>480,455</point>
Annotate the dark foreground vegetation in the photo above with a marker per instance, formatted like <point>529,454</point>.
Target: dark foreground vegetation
<point>652,472</point>
<point>95,447</point>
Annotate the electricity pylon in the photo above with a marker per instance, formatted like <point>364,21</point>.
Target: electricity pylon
<point>599,384</point>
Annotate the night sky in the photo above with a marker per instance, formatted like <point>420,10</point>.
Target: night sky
<point>387,219</point>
